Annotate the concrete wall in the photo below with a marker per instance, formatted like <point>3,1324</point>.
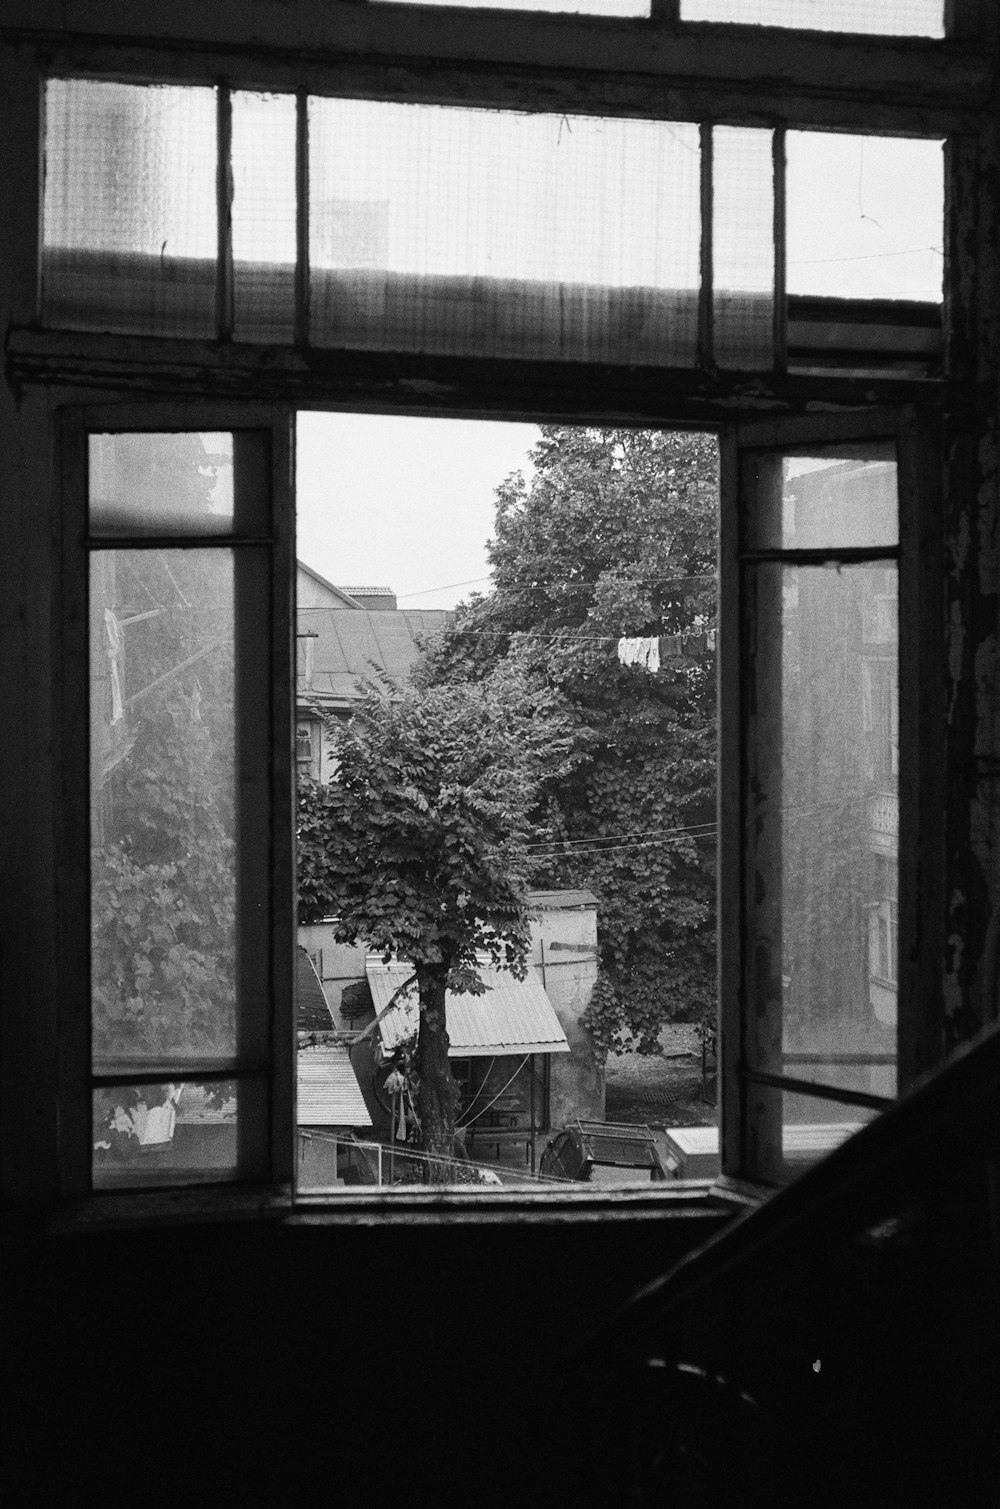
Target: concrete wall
<point>564,957</point>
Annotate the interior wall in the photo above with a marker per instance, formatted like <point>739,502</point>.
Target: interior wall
<point>246,1364</point>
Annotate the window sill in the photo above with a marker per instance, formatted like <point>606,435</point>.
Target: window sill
<point>680,1200</point>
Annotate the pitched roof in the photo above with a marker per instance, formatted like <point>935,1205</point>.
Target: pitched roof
<point>339,594</point>
<point>328,1089</point>
<point>351,642</point>
<point>560,901</point>
<point>312,1012</point>
<point>512,1016</point>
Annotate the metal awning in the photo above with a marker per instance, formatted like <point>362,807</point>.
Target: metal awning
<point>513,1016</point>
<point>328,1090</point>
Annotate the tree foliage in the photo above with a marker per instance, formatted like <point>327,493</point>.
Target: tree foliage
<point>419,847</point>
<point>615,535</point>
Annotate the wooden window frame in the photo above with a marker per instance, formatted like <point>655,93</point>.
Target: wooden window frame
<point>660,69</point>
<point>265,836</point>
<point>920,909</point>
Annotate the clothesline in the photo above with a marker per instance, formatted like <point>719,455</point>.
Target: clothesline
<point>650,651</point>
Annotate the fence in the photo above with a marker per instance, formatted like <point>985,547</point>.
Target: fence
<point>351,1162</point>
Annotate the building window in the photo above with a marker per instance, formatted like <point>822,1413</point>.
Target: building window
<point>307,748</point>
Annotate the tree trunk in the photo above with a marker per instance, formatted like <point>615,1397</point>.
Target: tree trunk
<point>437,1097</point>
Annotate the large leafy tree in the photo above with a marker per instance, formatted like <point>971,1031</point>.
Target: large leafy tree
<point>420,846</point>
<point>615,535</point>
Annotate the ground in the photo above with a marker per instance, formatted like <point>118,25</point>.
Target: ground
<point>663,1089</point>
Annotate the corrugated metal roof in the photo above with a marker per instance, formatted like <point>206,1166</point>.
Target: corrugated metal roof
<point>312,1011</point>
<point>329,1093</point>
<point>513,1016</point>
<point>350,641</point>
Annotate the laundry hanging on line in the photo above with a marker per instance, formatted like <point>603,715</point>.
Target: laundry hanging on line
<point>651,652</point>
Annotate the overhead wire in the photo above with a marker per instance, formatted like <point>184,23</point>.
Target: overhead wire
<point>565,582</point>
<point>631,833</point>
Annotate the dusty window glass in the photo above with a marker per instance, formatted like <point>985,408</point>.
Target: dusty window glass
<point>177,1132</point>
<point>130,225</point>
<point>742,247</point>
<point>887,18</point>
<point>534,611</point>
<point>822,784</point>
<point>875,231</point>
<point>579,7</point>
<point>177,484</point>
<point>163,767</point>
<point>176,1020</point>
<point>263,216</point>
<point>492,233</point>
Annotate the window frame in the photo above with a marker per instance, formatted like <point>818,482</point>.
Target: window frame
<point>265,862</point>
<point>410,53</point>
<point>920,900</point>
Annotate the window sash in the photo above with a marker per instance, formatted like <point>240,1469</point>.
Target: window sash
<point>919,906</point>
<point>265,833</point>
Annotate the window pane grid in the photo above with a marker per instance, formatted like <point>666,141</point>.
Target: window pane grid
<point>472,232</point>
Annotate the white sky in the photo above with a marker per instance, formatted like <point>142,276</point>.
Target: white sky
<point>405,503</point>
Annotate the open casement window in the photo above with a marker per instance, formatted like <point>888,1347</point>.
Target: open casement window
<point>293,234</point>
<point>177,1064</point>
<point>823,785</point>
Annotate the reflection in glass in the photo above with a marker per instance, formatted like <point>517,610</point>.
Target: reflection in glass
<point>130,215</point>
<point>824,823</point>
<point>844,497</point>
<point>161,484</point>
<point>811,1127</point>
<point>492,233</point>
<point>174,1132</point>
<point>162,762</point>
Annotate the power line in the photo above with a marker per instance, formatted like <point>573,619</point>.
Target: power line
<point>568,637</point>
<point>564,582</point>
<point>909,251</point>
<point>641,843</point>
<point>629,833</point>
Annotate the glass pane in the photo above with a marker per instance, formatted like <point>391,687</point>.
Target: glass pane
<point>787,1133</point>
<point>865,216</point>
<point>833,497</point>
<point>823,824</point>
<point>163,791</point>
<point>264,248</point>
<point>887,18</point>
<point>743,247</point>
<point>490,233</point>
<point>130,219</point>
<point>178,1132</point>
<point>580,7</point>
<point>141,484</point>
